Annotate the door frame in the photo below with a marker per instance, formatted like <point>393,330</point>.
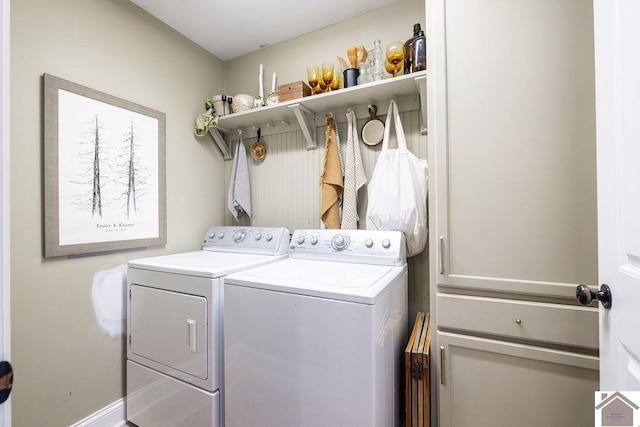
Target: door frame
<point>5,341</point>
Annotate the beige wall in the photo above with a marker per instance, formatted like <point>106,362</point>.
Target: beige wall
<point>66,367</point>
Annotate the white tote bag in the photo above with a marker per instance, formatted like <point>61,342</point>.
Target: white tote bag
<point>398,189</point>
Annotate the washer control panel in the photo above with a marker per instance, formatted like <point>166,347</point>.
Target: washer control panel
<point>360,246</point>
<point>271,240</point>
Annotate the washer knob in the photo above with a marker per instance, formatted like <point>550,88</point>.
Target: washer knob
<point>269,237</point>
<point>386,243</point>
<point>239,235</point>
<point>220,235</point>
<point>258,237</point>
<point>340,241</point>
<point>314,240</point>
<point>300,240</point>
<point>212,234</point>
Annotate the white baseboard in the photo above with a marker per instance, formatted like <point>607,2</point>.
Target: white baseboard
<point>112,415</point>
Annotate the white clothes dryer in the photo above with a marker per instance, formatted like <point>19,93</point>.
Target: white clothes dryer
<point>317,339</point>
<point>174,325</point>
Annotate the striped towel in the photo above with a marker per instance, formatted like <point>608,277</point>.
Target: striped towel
<point>354,176</point>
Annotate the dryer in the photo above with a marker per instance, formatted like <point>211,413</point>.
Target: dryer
<point>317,339</point>
<point>174,325</point>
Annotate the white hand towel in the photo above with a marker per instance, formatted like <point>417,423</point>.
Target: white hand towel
<point>239,198</point>
<point>354,176</point>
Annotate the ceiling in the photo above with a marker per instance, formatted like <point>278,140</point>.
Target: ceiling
<point>233,28</point>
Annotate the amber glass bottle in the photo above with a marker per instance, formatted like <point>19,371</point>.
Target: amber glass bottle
<point>415,51</point>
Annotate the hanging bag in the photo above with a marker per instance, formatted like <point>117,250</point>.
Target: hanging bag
<point>398,189</point>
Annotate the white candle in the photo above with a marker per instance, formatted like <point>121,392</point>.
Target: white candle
<point>273,83</point>
<point>261,86</point>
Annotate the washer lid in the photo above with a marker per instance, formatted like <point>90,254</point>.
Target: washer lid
<point>203,263</point>
<point>360,283</point>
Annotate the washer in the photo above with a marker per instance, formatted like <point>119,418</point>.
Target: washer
<point>174,324</point>
<point>317,339</point>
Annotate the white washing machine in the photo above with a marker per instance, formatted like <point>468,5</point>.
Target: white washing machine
<point>174,325</point>
<point>318,338</point>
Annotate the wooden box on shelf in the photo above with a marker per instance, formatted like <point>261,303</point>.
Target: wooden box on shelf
<point>417,396</point>
<point>294,90</point>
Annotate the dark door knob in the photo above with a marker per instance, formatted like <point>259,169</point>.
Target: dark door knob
<point>586,295</point>
<point>6,380</point>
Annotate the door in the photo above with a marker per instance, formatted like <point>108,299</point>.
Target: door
<point>170,329</point>
<point>480,374</point>
<point>617,63</point>
<point>5,376</point>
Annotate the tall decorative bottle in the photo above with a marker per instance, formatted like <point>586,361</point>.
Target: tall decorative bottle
<point>376,57</point>
<point>415,51</point>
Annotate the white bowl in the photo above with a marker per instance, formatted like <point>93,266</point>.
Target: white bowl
<point>242,102</point>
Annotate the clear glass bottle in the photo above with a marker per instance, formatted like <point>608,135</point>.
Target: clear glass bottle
<point>376,58</point>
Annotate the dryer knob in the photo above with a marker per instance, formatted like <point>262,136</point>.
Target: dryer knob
<point>386,243</point>
<point>368,243</point>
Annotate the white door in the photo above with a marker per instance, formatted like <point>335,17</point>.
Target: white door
<point>5,408</point>
<point>617,62</point>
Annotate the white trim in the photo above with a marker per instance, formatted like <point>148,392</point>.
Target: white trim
<point>5,337</point>
<point>112,415</point>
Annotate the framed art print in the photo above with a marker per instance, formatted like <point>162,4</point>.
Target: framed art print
<point>104,171</point>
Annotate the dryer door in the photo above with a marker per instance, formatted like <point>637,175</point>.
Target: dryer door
<point>169,328</point>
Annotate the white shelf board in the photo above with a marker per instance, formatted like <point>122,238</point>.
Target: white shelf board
<point>383,90</point>
<point>363,94</point>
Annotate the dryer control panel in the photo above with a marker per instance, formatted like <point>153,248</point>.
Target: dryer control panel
<point>359,246</point>
<point>264,240</point>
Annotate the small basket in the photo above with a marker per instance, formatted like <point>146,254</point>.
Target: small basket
<point>242,102</point>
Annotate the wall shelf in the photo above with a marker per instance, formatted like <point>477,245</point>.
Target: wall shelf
<point>304,110</point>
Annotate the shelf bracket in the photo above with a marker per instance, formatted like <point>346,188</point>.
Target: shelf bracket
<point>220,141</point>
<point>306,120</point>
<point>421,82</point>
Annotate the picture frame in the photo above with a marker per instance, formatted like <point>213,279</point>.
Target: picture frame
<point>104,172</point>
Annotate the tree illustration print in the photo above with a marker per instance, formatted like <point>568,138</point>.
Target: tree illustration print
<point>108,172</point>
